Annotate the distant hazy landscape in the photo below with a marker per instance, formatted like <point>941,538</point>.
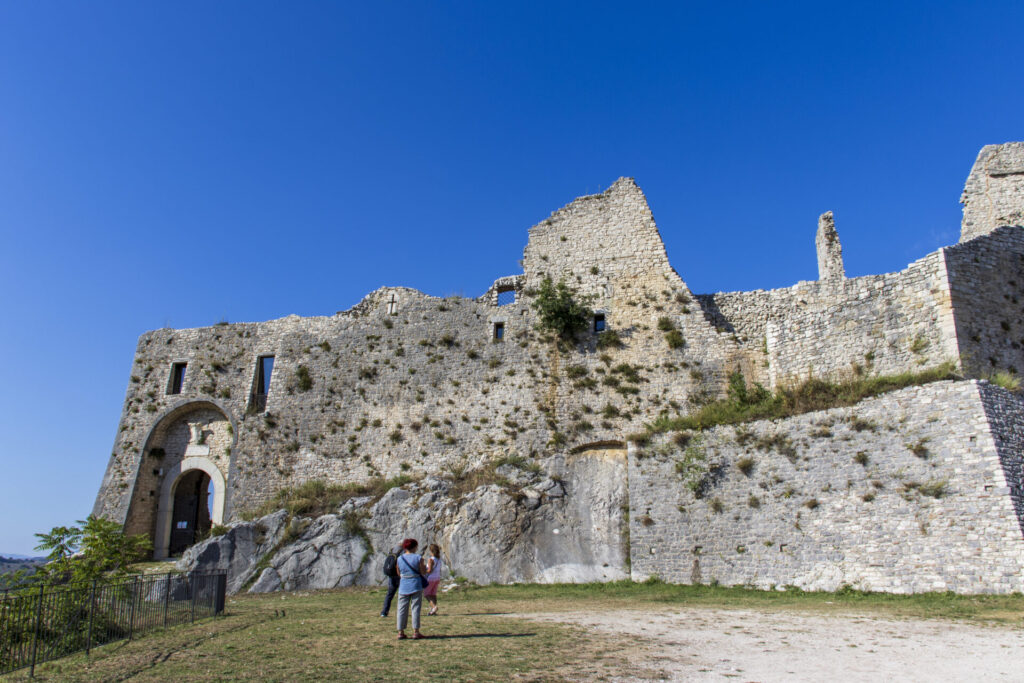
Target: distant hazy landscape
<point>13,563</point>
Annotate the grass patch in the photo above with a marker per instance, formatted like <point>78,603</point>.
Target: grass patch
<point>748,405</point>
<point>335,635</point>
<point>1006,380</point>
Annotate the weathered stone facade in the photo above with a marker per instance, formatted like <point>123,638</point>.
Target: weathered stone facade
<point>405,383</point>
<point>912,491</point>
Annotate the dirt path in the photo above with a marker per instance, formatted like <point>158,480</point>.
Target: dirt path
<point>716,644</point>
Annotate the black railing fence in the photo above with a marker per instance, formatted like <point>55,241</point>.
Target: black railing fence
<point>41,623</point>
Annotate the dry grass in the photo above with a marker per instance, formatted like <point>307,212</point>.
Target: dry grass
<point>336,635</point>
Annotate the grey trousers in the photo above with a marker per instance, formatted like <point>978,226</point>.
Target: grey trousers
<point>405,602</point>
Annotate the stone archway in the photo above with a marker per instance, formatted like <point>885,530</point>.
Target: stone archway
<point>192,436</point>
<point>178,476</point>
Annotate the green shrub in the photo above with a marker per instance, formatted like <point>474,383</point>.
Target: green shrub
<point>303,380</point>
<point>674,339</point>
<point>94,549</point>
<point>609,339</point>
<point>561,310</point>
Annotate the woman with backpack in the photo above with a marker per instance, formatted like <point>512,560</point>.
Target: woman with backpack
<point>411,569</point>
<point>391,576</point>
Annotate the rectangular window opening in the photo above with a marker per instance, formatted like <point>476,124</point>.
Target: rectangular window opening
<point>506,297</point>
<point>177,378</point>
<point>261,387</point>
<point>499,332</point>
<point>599,322</point>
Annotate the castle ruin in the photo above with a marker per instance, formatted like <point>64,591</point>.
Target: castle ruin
<point>406,383</point>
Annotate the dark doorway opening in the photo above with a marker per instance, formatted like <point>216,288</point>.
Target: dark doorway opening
<point>190,518</point>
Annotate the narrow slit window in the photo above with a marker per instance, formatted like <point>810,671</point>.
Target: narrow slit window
<point>507,297</point>
<point>599,322</point>
<point>499,332</point>
<point>177,378</point>
<point>261,387</point>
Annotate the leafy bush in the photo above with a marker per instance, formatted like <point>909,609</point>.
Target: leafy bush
<point>94,549</point>
<point>561,310</point>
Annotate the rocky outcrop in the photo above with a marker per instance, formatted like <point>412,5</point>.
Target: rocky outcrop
<point>527,528</point>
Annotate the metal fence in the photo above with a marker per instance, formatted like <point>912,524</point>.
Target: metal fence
<point>41,623</point>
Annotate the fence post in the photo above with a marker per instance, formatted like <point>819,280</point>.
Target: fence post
<point>167,598</point>
<point>221,594</point>
<point>35,634</point>
<point>192,587</point>
<point>131,610</point>
<point>92,611</point>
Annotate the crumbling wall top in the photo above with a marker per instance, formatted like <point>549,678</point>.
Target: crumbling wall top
<point>994,192</point>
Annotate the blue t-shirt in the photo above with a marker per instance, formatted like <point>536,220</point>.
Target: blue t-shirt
<point>408,569</point>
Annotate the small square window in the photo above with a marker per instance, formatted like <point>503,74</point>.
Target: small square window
<point>182,525</point>
<point>599,322</point>
<point>177,378</point>
<point>499,331</point>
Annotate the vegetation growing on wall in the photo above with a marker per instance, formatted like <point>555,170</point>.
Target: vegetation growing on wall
<point>561,309</point>
<point>744,404</point>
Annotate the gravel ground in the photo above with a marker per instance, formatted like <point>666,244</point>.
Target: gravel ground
<point>717,644</point>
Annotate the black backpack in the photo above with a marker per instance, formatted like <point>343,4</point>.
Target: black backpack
<point>391,565</point>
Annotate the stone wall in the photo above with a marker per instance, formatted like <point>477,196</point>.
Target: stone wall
<point>906,492</point>
<point>987,286</point>
<point>994,192</point>
<point>882,324</point>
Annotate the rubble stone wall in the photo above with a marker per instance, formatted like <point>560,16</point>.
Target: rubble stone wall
<point>906,492</point>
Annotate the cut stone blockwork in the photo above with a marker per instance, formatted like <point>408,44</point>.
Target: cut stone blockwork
<point>404,383</point>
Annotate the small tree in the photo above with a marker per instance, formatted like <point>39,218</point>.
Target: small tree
<point>95,549</point>
<point>561,310</point>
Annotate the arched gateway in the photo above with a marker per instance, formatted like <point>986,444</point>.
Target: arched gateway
<point>182,484</point>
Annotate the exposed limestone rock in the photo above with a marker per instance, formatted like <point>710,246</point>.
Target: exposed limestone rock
<point>543,531</point>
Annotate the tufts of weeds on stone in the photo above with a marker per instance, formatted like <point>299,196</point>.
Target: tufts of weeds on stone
<point>919,448</point>
<point>609,339</point>
<point>1007,380</point>
<point>861,458</point>
<point>745,465</point>
<point>303,379</point>
<point>316,497</point>
<point>811,503</point>
<point>859,424</point>
<point>746,405</point>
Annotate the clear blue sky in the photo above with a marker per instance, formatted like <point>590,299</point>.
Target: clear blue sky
<point>182,163</point>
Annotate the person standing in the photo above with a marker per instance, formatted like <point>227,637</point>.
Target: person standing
<point>410,589</point>
<point>391,576</point>
<point>433,578</point>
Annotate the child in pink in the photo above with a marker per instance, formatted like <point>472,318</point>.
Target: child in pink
<point>433,577</point>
